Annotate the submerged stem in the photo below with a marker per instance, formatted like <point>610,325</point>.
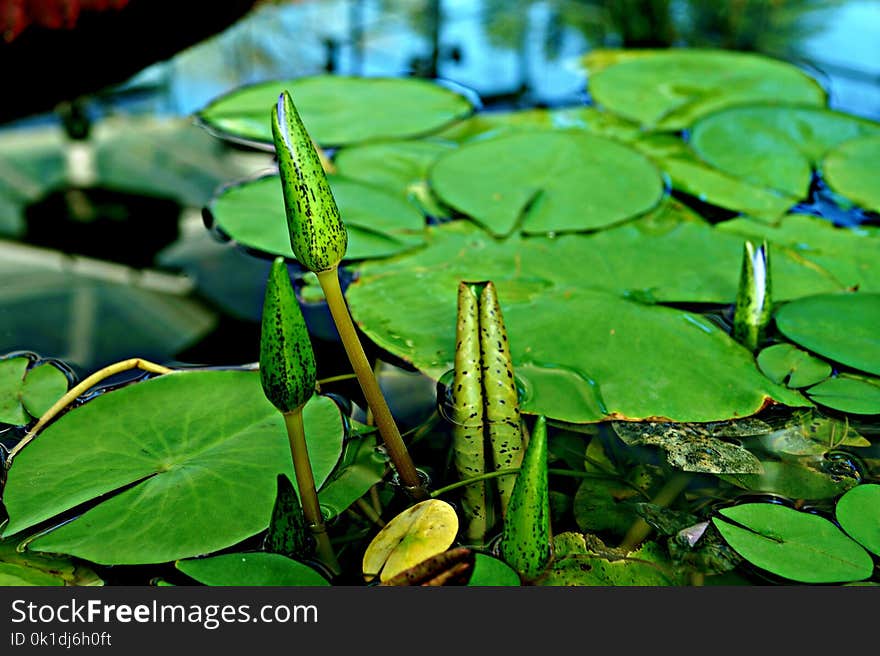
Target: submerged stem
<point>305,482</point>
<point>397,450</point>
<point>640,529</point>
<point>80,389</point>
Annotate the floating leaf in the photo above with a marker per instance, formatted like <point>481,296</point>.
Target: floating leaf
<point>30,569</point>
<point>547,182</point>
<point>251,569</point>
<point>775,147</point>
<point>792,544</point>
<point>690,448</point>
<point>419,532</point>
<point>856,394</point>
<point>582,559</point>
<point>586,372</point>
<point>670,89</point>
<point>399,167</point>
<point>789,365</point>
<point>858,512</point>
<point>177,466</point>
<point>793,480</point>
<point>851,170</point>
<point>334,107</point>
<point>378,223</point>
<point>840,327</point>
<point>27,392</point>
<point>489,571</point>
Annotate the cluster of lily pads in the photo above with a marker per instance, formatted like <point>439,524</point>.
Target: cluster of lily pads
<point>644,431</point>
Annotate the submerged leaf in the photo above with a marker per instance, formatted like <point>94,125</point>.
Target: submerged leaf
<point>793,480</point>
<point>419,532</point>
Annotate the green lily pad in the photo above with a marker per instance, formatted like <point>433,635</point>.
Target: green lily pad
<point>849,256</point>
<point>26,393</point>
<point>489,571</point>
<point>855,394</point>
<point>792,544</point>
<point>670,89</point>
<point>858,512</point>
<point>789,365</point>
<point>407,306</point>
<point>180,465</point>
<point>399,167</point>
<point>378,223</point>
<point>339,109</point>
<point>582,559</point>
<point>251,569</point>
<point>851,170</point>
<point>775,147</point>
<point>30,569</point>
<point>362,466</point>
<point>840,327</point>
<point>792,479</point>
<point>542,182</point>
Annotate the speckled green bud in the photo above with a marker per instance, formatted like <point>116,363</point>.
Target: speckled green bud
<point>500,397</point>
<point>753,299</point>
<point>287,362</point>
<point>467,414</point>
<point>317,234</point>
<point>525,540</point>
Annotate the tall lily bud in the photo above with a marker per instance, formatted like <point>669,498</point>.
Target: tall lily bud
<point>753,299</point>
<point>317,234</point>
<point>287,362</point>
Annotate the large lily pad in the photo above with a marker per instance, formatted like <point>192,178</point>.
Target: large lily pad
<point>617,358</point>
<point>792,544</point>
<point>338,109</point>
<point>178,466</point>
<point>251,569</point>
<point>775,147</point>
<point>840,327</point>
<point>670,89</point>
<point>543,182</point>
<point>27,392</point>
<point>851,170</point>
<point>378,223</point>
<point>858,512</point>
<point>855,394</point>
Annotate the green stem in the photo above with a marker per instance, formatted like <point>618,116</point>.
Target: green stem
<point>397,450</point>
<point>82,388</point>
<point>667,494</point>
<point>308,493</point>
<point>507,472</point>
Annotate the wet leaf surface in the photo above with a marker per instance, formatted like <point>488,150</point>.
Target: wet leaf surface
<point>794,545</point>
<point>851,170</point>
<point>670,89</point>
<point>177,466</point>
<point>858,512</point>
<point>856,394</point>
<point>540,182</point>
<point>251,569</point>
<point>490,572</point>
<point>333,108</point>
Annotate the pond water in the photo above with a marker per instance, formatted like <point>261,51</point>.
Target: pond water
<point>105,255</point>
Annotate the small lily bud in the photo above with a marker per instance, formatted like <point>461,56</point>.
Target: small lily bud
<point>753,300</point>
<point>287,362</point>
<point>317,234</point>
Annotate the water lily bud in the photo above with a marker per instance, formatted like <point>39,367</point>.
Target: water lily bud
<point>753,300</point>
<point>287,362</point>
<point>525,541</point>
<point>317,234</point>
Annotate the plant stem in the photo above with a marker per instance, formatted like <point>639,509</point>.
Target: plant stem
<point>667,494</point>
<point>397,450</point>
<point>308,493</point>
<point>80,389</point>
